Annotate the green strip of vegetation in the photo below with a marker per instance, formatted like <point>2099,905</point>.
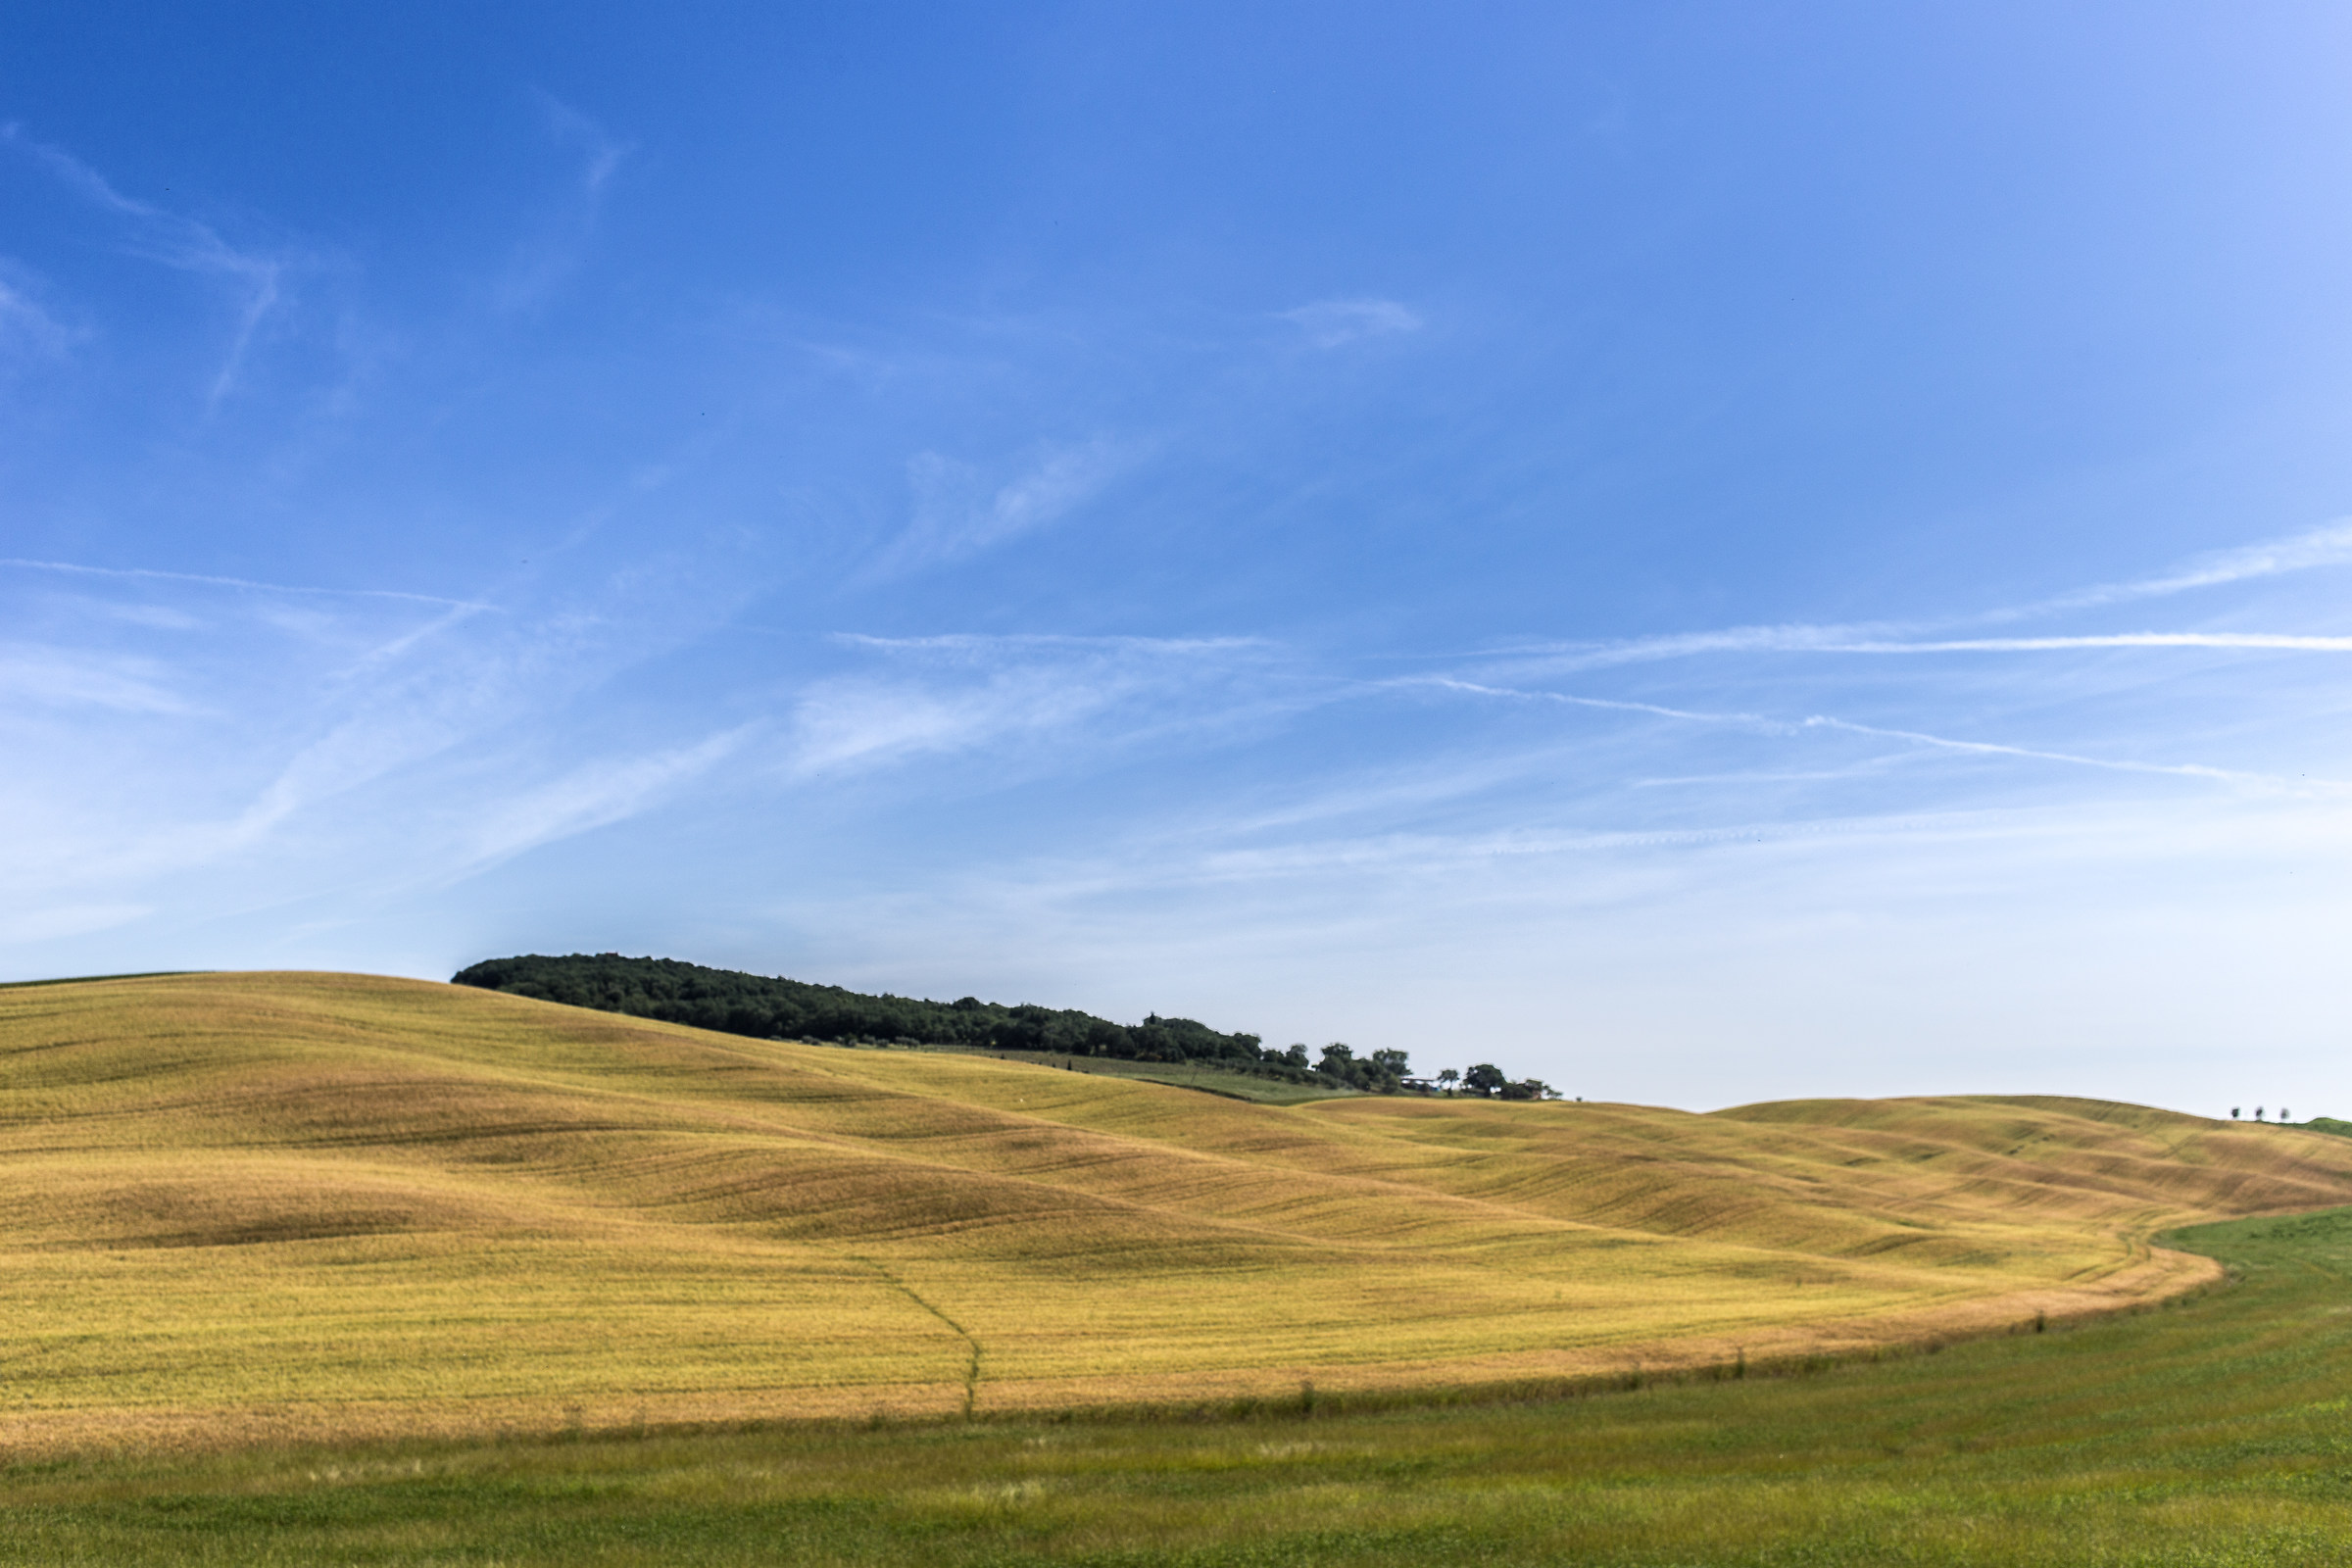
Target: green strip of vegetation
<point>2217,1431</point>
<point>771,1007</point>
<point>93,979</point>
<point>1257,1088</point>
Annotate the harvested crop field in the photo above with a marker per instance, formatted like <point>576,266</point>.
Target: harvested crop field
<point>246,1208</point>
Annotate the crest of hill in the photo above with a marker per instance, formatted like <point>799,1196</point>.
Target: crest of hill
<point>323,1205</point>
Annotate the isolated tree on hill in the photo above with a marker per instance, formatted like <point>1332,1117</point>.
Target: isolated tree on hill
<point>1447,1078</point>
<point>1485,1078</point>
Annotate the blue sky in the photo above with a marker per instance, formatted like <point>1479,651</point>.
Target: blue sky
<point>1705,553</point>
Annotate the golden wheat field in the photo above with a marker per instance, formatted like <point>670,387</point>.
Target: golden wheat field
<point>248,1206</point>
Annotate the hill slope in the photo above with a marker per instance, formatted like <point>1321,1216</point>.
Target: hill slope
<point>239,1205</point>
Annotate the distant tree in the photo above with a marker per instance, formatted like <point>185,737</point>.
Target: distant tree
<point>1390,1062</point>
<point>2233,1113</point>
<point>2258,1113</point>
<point>1447,1078</point>
<point>1485,1078</point>
<point>1338,1057</point>
<point>2282,1115</point>
<point>1295,1056</point>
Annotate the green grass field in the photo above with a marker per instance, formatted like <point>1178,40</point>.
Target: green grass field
<point>2216,1431</point>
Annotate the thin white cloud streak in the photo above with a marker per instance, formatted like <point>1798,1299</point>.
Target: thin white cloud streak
<point>1993,748</point>
<point>985,647</point>
<point>2330,545</point>
<point>980,690</point>
<point>845,725</point>
<point>1873,767</point>
<point>2312,550</point>
<point>153,574</point>
<point>1480,689</point>
<point>174,241</point>
<point>1854,640</point>
<point>541,263</point>
<point>1428,854</point>
<point>26,330</point>
<point>1331,324</point>
<point>399,647</point>
<point>595,795</point>
<point>1821,721</point>
<point>58,677</point>
<point>2290,642</point>
<point>958,513</point>
<point>602,153</point>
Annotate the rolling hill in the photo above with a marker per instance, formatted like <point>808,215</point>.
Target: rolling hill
<point>244,1207</point>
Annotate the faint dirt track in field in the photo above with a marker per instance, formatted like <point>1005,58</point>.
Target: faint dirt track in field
<point>242,1206</point>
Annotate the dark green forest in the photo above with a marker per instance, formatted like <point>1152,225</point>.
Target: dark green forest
<point>775,1008</point>
<point>769,1009</point>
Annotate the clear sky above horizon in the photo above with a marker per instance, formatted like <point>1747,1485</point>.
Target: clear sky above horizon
<point>1703,553</point>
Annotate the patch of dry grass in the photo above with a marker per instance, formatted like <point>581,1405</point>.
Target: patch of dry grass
<point>241,1207</point>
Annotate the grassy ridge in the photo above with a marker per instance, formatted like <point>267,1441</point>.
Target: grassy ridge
<point>244,1208</point>
<point>2206,1434</point>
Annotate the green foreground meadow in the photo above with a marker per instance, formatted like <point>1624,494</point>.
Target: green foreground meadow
<point>2217,1430</point>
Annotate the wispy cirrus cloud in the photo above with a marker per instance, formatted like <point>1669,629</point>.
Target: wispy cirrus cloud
<point>69,677</point>
<point>255,278</point>
<point>153,574</point>
<point>1329,324</point>
<point>258,721</point>
<point>960,510</point>
<point>559,236</point>
<point>2288,642</point>
<point>2309,550</point>
<point>28,331</point>
<point>1765,723</point>
<point>947,695</point>
<point>600,152</point>
<point>1856,640</point>
<point>2330,545</point>
<point>2199,771</point>
<point>1450,683</point>
<point>594,794</point>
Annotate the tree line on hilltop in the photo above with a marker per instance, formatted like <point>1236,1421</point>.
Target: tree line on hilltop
<point>777,1008</point>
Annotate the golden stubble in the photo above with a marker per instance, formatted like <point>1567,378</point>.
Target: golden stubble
<point>245,1207</point>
